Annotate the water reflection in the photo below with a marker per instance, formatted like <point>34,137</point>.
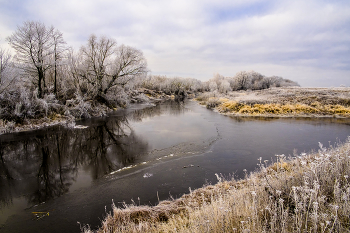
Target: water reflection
<point>43,165</point>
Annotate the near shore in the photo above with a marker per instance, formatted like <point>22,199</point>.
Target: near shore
<point>305,193</point>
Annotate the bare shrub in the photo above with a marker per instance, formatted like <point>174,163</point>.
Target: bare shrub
<point>213,103</point>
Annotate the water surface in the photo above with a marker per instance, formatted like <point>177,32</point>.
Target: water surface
<point>138,154</point>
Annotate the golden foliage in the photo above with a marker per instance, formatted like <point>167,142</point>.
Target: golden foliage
<point>230,106</point>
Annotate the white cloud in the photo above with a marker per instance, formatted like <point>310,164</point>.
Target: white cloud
<point>199,38</point>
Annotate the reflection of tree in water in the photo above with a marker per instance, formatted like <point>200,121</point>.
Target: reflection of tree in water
<point>170,107</point>
<point>110,146</point>
<point>55,172</point>
<point>50,162</point>
<point>6,181</point>
<point>43,165</point>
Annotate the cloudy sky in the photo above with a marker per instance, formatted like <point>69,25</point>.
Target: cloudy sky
<point>307,41</point>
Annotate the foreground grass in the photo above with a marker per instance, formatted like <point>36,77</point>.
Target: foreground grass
<point>294,101</point>
<point>309,193</point>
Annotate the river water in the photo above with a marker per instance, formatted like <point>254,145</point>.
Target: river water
<point>138,155</point>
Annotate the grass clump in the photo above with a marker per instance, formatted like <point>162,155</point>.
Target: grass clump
<point>310,193</point>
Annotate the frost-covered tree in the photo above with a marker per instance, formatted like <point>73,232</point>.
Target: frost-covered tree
<point>245,80</point>
<point>58,50</point>
<point>5,61</point>
<point>5,70</point>
<point>241,81</point>
<point>224,86</point>
<point>213,86</point>
<point>34,44</point>
<point>106,66</point>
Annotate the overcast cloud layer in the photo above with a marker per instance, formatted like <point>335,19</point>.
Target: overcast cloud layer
<point>305,41</point>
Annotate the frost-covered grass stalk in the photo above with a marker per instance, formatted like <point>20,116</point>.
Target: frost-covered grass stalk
<point>309,193</point>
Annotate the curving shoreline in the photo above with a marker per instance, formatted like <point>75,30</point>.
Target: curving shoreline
<point>289,195</point>
<point>273,102</point>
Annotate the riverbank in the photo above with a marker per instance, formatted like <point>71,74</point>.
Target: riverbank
<point>281,102</point>
<point>77,109</point>
<point>288,196</point>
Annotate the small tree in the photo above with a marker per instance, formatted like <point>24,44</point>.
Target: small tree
<point>5,64</point>
<point>106,66</point>
<point>213,86</point>
<point>224,86</point>
<point>241,81</point>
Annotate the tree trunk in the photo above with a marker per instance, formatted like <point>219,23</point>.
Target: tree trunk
<point>103,100</point>
<point>41,78</point>
<point>55,81</point>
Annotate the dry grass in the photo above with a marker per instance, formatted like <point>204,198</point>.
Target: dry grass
<point>286,109</point>
<point>310,193</point>
<point>283,102</point>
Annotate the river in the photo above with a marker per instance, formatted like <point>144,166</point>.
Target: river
<point>138,155</point>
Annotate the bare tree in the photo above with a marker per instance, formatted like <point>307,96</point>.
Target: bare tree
<point>6,78</point>
<point>241,81</point>
<point>35,44</point>
<point>129,63</point>
<point>58,49</point>
<point>224,86</point>
<point>5,60</point>
<point>97,57</point>
<point>105,65</point>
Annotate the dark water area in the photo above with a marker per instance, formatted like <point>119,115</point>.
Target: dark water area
<point>138,154</point>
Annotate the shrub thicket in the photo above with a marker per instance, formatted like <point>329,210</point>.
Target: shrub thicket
<point>244,80</point>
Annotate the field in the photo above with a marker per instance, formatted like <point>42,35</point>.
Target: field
<point>287,101</point>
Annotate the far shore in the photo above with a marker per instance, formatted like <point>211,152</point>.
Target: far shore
<point>281,102</point>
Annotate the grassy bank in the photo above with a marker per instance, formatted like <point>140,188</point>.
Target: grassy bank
<point>296,101</point>
<point>308,193</point>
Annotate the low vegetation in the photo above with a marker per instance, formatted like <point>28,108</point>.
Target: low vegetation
<point>294,101</point>
<point>306,193</point>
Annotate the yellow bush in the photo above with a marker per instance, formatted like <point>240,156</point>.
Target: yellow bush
<point>230,106</point>
<point>245,109</point>
<point>236,107</point>
<point>273,108</point>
